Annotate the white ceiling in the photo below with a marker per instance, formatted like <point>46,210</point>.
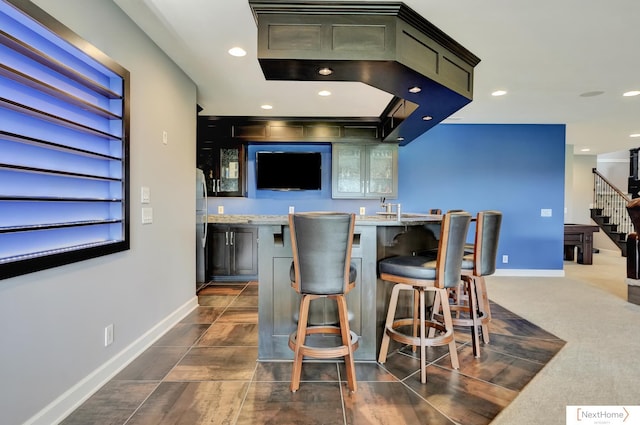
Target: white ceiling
<point>545,53</point>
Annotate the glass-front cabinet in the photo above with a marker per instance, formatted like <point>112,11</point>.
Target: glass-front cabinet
<point>364,170</point>
<point>222,159</point>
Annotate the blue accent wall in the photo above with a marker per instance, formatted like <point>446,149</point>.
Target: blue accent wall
<point>515,168</point>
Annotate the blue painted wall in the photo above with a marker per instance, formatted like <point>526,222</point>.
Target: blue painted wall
<point>517,169</point>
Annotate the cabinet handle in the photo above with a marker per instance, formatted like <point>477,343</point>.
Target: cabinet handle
<point>218,185</point>
<point>232,235</point>
<point>226,238</point>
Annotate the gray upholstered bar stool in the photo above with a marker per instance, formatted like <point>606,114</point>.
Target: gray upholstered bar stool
<point>321,243</point>
<point>475,266</point>
<point>419,275</point>
<point>470,302</point>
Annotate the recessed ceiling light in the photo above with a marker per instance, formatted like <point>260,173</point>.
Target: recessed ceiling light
<point>631,93</point>
<point>634,135</point>
<point>237,52</point>
<point>400,139</point>
<point>324,93</point>
<point>415,89</point>
<point>591,93</point>
<point>585,150</point>
<point>427,118</point>
<point>325,71</point>
<point>499,93</point>
<point>265,106</point>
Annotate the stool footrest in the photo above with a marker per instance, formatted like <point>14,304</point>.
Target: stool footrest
<point>403,338</point>
<point>324,352</point>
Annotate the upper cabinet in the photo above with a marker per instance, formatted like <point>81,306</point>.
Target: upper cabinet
<point>364,170</point>
<point>223,161</point>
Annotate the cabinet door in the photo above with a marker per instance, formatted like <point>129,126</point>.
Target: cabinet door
<point>382,172</point>
<point>244,247</point>
<point>223,164</point>
<point>219,238</point>
<point>348,170</point>
<point>230,169</point>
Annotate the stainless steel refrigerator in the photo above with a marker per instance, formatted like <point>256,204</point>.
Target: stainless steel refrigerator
<point>201,230</point>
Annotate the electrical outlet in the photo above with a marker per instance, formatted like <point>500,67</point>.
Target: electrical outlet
<point>292,209</point>
<point>108,335</point>
<point>220,209</point>
<point>505,259</point>
<point>363,211</point>
<point>165,138</point>
<point>546,212</point>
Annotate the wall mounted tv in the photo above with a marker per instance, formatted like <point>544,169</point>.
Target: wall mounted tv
<point>289,170</point>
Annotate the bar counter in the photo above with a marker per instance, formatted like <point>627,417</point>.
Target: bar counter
<point>375,237</point>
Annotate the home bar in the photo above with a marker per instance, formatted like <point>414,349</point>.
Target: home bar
<point>375,237</point>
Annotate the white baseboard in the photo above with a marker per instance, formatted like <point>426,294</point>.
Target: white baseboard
<point>529,273</point>
<point>71,399</point>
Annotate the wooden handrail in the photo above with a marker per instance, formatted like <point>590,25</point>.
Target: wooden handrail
<point>623,195</point>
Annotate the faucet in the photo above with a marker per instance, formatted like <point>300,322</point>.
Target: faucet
<point>388,208</point>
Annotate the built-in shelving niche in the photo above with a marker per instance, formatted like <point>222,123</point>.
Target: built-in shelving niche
<point>63,145</point>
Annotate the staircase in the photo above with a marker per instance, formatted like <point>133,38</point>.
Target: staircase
<point>610,211</point>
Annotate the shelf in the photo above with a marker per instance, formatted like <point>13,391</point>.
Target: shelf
<point>55,199</point>
<point>49,226</point>
<point>36,113</point>
<point>56,172</point>
<point>53,146</point>
<point>55,65</point>
<point>41,86</point>
<point>69,249</point>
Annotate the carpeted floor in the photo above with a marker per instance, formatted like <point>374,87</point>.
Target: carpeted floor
<point>599,365</point>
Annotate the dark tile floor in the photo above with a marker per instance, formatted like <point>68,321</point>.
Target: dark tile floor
<point>204,371</point>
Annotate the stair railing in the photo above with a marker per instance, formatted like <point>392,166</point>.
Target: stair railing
<point>612,202</point>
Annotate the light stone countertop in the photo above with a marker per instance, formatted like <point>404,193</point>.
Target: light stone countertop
<point>366,220</point>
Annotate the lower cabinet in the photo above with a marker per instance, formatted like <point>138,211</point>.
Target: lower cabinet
<point>233,252</point>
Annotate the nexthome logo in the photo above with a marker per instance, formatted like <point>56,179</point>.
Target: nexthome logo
<point>603,415</point>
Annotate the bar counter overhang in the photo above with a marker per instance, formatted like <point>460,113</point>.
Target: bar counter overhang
<point>375,237</point>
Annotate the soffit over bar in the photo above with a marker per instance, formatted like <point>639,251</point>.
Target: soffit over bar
<point>384,44</point>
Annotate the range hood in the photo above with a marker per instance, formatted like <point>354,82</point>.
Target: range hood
<point>383,44</point>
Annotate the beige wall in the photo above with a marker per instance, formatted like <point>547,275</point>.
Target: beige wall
<point>52,322</point>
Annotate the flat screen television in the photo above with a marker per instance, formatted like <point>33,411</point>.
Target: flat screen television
<point>289,170</point>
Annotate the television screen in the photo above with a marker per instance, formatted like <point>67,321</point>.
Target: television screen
<point>289,170</point>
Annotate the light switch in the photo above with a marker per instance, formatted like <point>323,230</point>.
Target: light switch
<point>147,215</point>
<point>145,195</point>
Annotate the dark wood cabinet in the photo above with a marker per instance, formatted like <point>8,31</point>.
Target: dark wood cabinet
<point>233,252</point>
<point>222,159</point>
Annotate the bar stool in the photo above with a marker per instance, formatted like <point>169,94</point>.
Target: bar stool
<point>421,274</point>
<point>470,302</point>
<point>321,243</point>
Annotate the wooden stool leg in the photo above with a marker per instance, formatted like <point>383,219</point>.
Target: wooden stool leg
<point>423,338</point>
<point>300,339</point>
<point>448,324</point>
<point>485,308</point>
<point>473,313</point>
<point>391,312</point>
<point>346,341</point>
<point>416,323</point>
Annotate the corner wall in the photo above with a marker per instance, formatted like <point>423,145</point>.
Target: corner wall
<point>52,322</point>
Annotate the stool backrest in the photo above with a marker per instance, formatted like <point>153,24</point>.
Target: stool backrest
<point>453,234</point>
<point>486,242</point>
<point>321,243</point>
